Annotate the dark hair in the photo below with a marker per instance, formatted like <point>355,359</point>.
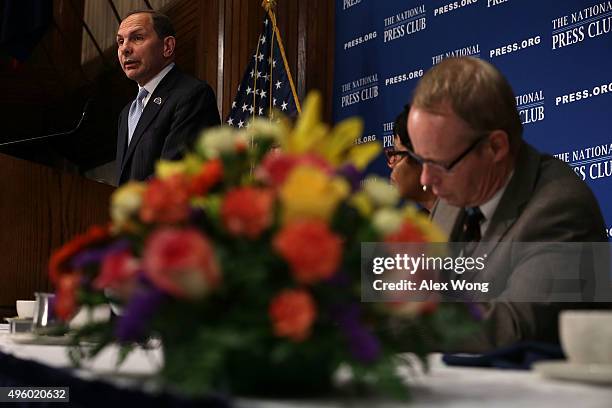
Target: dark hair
<point>161,22</point>
<point>400,129</point>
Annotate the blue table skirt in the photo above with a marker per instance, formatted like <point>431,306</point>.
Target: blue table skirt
<point>15,372</point>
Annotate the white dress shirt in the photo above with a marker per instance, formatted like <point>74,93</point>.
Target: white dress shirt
<point>152,84</point>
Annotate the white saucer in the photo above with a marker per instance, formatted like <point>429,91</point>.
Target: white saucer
<point>564,370</point>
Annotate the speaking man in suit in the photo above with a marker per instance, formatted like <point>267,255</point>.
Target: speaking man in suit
<point>494,188</point>
<point>170,109</point>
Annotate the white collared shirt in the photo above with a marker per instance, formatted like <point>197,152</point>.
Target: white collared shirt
<point>152,84</point>
<point>488,208</point>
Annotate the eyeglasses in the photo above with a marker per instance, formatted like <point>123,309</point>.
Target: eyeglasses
<point>445,168</point>
<point>394,156</point>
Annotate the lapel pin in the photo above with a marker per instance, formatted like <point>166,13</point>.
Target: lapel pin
<point>158,100</point>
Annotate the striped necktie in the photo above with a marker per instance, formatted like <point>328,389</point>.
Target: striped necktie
<point>135,112</point>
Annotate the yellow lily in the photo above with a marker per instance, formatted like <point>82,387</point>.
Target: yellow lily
<point>337,146</point>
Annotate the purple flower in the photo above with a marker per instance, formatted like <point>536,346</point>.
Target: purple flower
<point>352,175</point>
<point>88,257</point>
<point>95,256</point>
<point>196,215</point>
<point>138,313</point>
<point>340,279</point>
<point>475,310</point>
<point>363,345</point>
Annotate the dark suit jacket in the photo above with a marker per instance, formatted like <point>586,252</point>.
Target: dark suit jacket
<point>544,202</point>
<point>179,108</point>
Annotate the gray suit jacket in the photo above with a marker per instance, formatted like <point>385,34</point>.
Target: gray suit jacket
<point>544,202</point>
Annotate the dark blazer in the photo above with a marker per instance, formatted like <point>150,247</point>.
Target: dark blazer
<point>179,108</point>
<point>544,202</point>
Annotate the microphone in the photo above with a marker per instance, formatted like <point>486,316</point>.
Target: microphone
<point>69,132</point>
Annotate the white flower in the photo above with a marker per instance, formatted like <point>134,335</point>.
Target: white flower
<point>126,201</point>
<point>387,221</point>
<point>221,140</point>
<point>380,192</point>
<point>260,128</point>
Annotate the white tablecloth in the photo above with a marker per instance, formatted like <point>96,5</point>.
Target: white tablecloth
<point>443,386</point>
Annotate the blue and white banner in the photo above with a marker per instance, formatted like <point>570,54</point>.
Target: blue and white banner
<point>557,55</point>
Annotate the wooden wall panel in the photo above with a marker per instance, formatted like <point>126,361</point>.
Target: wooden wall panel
<point>207,41</point>
<point>216,39</point>
<point>40,209</point>
<point>307,30</point>
<point>185,18</point>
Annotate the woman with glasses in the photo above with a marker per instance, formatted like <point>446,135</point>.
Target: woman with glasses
<point>405,171</point>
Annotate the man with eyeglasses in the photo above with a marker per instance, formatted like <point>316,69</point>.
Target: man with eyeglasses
<point>493,187</point>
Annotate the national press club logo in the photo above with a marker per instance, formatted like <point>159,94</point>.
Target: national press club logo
<point>584,24</point>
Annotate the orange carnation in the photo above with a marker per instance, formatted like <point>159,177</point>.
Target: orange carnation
<point>58,262</point>
<point>292,313</point>
<point>311,249</point>
<point>166,200</point>
<point>210,174</point>
<point>247,211</point>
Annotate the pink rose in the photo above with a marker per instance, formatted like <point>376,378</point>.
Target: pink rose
<point>181,262</point>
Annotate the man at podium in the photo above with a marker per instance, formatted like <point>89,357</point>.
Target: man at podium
<point>170,109</point>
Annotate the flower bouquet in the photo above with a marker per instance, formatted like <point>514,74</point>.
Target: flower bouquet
<point>244,260</point>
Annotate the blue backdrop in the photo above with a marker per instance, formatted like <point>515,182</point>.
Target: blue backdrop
<point>557,54</point>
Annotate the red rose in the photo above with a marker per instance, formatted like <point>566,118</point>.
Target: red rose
<point>210,174</point>
<point>276,166</point>
<point>241,145</point>
<point>292,313</point>
<point>247,211</point>
<point>166,201</point>
<point>312,251</point>
<point>181,262</point>
<point>59,259</point>
<point>118,272</point>
<point>428,307</point>
<point>408,232</point>
<point>65,300</point>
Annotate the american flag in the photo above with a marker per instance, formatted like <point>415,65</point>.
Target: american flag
<point>265,84</point>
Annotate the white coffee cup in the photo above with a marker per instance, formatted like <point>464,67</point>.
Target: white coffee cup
<point>586,336</point>
<point>25,309</point>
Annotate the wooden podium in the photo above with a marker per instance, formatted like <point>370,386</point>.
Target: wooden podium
<point>40,209</point>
